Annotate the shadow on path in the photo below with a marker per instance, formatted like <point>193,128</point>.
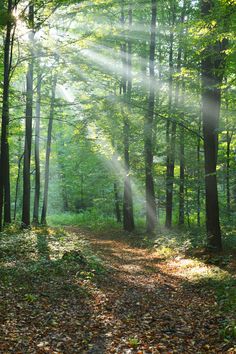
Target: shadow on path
<point>148,302</point>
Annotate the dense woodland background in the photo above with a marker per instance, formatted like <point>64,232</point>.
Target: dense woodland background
<point>119,110</point>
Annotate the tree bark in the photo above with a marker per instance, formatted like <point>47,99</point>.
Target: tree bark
<point>169,166</point>
<point>172,137</point>
<point>28,127</point>
<point>48,151</point>
<point>199,177</point>
<point>128,216</point>
<point>212,75</point>
<point>17,185</point>
<point>63,169</point>
<point>36,152</point>
<point>182,166</point>
<point>4,159</point>
<point>228,151</point>
<point>181,178</point>
<point>117,203</point>
<point>148,129</point>
<point>228,174</point>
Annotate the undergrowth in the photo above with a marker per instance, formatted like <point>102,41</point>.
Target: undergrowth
<point>31,260</point>
<point>90,219</point>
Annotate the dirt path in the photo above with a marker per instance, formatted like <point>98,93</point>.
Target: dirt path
<point>146,305</point>
<point>140,303</point>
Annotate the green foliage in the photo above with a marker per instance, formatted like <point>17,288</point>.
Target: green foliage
<point>43,254</point>
<point>92,219</point>
<point>228,333</point>
<point>3,17</point>
<point>30,298</point>
<point>134,342</point>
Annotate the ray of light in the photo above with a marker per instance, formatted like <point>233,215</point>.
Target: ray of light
<point>115,164</point>
<point>66,93</point>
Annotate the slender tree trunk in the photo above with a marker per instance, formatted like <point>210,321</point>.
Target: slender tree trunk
<point>17,185</point>
<point>228,175</point>
<point>4,159</point>
<point>187,203</point>
<point>61,165</point>
<point>48,151</point>
<point>170,178</point>
<point>117,209</point>
<point>148,129</point>
<point>82,191</point>
<point>37,156</point>
<point>169,191</point>
<point>228,149</point>
<point>212,75</point>
<point>7,194</point>
<point>199,175</point>
<point>181,178</point>
<point>117,203</point>
<point>172,138</point>
<point>128,216</point>
<point>28,127</point>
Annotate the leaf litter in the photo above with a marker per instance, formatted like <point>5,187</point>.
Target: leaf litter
<point>75,291</point>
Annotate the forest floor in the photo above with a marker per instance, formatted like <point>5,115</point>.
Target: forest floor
<point>118,298</point>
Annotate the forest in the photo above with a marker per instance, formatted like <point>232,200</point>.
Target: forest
<point>118,176</point>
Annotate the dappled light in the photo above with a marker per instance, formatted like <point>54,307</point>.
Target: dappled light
<point>117,177</point>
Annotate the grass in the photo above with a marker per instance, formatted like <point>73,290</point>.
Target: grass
<point>89,219</point>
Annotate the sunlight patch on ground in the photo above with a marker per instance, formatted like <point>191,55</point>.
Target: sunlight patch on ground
<point>132,268</point>
<point>194,270</point>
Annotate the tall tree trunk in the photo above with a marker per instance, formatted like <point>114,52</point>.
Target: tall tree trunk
<point>228,149</point>
<point>172,138</point>
<point>148,129</point>
<point>181,178</point>
<point>36,152</point>
<point>18,177</point>
<point>212,76</point>
<point>28,126</point>
<point>170,177</point>
<point>117,209</point>
<point>62,168</point>
<point>187,201</point>
<point>199,175</point>
<point>48,151</point>
<point>169,191</point>
<point>117,203</point>
<point>17,185</point>
<point>228,174</point>
<point>4,159</point>
<point>128,216</point>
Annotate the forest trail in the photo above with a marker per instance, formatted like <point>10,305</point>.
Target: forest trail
<point>118,298</point>
<point>146,304</point>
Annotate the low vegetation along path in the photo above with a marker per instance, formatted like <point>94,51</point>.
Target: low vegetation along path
<point>139,301</point>
<point>146,304</point>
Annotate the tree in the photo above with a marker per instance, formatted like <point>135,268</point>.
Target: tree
<point>212,67</point>
<point>48,151</point>
<point>148,129</point>
<point>170,127</point>
<point>37,154</point>
<point>128,217</point>
<point>4,156</point>
<point>28,123</point>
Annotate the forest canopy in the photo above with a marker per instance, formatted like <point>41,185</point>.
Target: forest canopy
<point>123,110</point>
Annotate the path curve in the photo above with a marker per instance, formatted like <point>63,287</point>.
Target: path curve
<point>146,306</point>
